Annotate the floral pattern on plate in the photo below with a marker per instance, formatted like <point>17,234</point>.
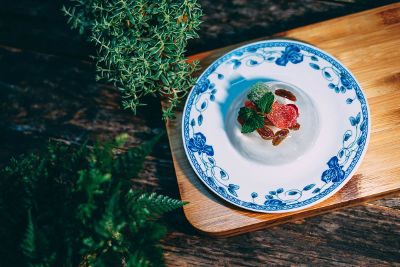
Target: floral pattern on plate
<point>283,54</point>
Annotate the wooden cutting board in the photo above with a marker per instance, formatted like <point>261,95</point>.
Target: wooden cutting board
<point>368,43</point>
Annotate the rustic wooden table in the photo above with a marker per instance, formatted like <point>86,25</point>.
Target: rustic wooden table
<point>47,90</point>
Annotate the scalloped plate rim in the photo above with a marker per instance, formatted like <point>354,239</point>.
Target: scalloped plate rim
<point>326,196</point>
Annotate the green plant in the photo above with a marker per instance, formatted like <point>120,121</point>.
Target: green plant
<point>141,45</point>
<point>75,207</point>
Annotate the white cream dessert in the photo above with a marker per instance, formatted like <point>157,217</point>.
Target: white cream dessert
<point>272,132</point>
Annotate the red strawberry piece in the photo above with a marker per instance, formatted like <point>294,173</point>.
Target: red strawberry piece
<point>265,133</point>
<point>295,107</point>
<point>250,104</point>
<point>282,116</point>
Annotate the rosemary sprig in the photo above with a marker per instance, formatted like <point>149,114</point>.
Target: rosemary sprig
<point>141,45</point>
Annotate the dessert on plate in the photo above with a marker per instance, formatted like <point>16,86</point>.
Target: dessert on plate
<point>272,113</point>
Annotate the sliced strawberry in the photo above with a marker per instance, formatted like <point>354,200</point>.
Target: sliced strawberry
<point>250,104</point>
<point>295,107</point>
<point>282,116</point>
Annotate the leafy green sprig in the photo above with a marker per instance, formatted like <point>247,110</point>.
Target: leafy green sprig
<point>75,207</point>
<point>262,98</point>
<point>252,120</point>
<point>141,46</point>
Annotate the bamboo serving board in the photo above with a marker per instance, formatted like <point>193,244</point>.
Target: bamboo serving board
<point>368,43</point>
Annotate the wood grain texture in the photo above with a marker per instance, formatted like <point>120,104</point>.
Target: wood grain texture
<point>355,236</point>
<point>46,95</point>
<point>41,26</point>
<point>367,43</point>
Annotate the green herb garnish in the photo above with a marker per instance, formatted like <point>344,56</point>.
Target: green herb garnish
<point>265,103</point>
<point>262,97</point>
<point>252,120</point>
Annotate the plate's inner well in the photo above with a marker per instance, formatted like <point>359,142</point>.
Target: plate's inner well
<point>297,143</point>
<point>310,164</point>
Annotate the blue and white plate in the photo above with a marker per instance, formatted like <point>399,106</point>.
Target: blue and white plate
<point>311,165</point>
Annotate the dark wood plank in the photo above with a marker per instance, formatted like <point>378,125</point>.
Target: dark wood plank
<point>354,236</point>
<point>43,97</point>
<point>59,97</point>
<point>34,88</point>
<point>38,87</point>
<point>41,26</point>
<point>388,202</point>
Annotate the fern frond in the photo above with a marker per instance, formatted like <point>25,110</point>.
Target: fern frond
<point>128,165</point>
<point>28,244</point>
<point>147,245</point>
<point>67,207</point>
<point>137,260</point>
<point>152,203</point>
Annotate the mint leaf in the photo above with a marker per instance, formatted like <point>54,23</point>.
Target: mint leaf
<point>247,128</point>
<point>252,120</point>
<point>265,102</point>
<point>252,125</point>
<point>246,113</point>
